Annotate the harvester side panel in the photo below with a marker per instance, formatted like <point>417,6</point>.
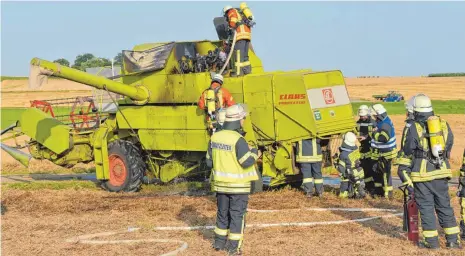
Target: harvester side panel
<point>161,118</point>
<point>181,140</point>
<point>330,103</point>
<point>46,130</point>
<point>293,113</point>
<point>258,94</point>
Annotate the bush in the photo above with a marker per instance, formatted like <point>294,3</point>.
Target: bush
<point>446,74</point>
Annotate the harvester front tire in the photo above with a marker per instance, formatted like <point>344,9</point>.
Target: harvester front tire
<point>127,167</point>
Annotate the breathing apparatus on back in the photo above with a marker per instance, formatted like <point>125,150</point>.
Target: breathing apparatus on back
<point>244,11</point>
<point>435,128</point>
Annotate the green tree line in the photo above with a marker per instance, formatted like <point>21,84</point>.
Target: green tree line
<point>446,74</point>
<point>88,60</point>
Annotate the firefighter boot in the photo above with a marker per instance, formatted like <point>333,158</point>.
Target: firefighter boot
<point>219,243</point>
<point>233,248</point>
<point>426,245</point>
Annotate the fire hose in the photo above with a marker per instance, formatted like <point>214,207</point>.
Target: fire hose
<point>230,53</point>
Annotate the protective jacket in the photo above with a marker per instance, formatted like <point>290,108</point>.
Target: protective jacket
<point>309,151</point>
<point>243,32</point>
<point>232,163</point>
<point>417,147</point>
<point>223,97</point>
<point>365,128</point>
<point>383,142</point>
<point>348,163</point>
<point>402,161</point>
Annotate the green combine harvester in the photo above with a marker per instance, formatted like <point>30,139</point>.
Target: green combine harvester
<point>157,130</point>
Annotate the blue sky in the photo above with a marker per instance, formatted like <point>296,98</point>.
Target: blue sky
<point>359,38</point>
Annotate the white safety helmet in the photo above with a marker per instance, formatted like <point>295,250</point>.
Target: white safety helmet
<point>409,105</point>
<point>378,109</point>
<point>363,110</point>
<point>350,139</point>
<point>422,104</point>
<point>218,78</point>
<point>226,8</point>
<point>235,113</point>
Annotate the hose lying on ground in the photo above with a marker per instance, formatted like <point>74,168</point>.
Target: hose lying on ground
<point>86,239</point>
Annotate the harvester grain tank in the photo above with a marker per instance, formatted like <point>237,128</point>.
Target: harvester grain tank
<point>159,132</point>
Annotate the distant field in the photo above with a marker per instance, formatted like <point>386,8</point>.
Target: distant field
<point>439,106</point>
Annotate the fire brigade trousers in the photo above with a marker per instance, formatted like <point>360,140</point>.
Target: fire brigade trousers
<point>433,196</point>
<point>383,180</point>
<point>367,165</point>
<point>462,216</point>
<point>242,62</point>
<point>312,174</point>
<point>230,219</point>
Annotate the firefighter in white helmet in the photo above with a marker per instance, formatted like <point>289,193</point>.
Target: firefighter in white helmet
<point>383,151</point>
<point>365,126</point>
<point>401,161</point>
<point>349,166</point>
<point>233,169</point>
<point>213,99</point>
<point>428,143</point>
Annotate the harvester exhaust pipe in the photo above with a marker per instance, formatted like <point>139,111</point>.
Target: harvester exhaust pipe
<point>20,156</point>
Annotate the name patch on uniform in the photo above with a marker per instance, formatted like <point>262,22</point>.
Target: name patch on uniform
<point>221,146</point>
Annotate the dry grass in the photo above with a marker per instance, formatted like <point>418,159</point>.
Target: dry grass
<point>37,223</point>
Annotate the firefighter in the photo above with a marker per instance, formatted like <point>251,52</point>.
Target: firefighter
<point>310,158</point>
<point>365,126</point>
<point>215,98</point>
<point>383,151</point>
<point>401,161</point>
<point>428,144</point>
<point>349,166</point>
<point>461,194</point>
<point>233,168</point>
<point>240,22</point>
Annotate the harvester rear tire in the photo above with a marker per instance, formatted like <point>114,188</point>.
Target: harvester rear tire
<point>125,156</point>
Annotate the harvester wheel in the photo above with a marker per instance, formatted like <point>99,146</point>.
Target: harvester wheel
<point>127,167</point>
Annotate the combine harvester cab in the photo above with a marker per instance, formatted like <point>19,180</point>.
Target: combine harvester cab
<point>158,132</point>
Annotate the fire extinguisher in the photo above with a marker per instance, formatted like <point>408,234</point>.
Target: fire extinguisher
<point>410,221</point>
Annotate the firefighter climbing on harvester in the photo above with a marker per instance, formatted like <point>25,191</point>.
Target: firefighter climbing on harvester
<point>241,21</point>
<point>213,99</point>
<point>383,151</point>
<point>461,194</point>
<point>365,128</point>
<point>428,144</point>
<point>233,168</point>
<point>310,158</point>
<point>349,166</point>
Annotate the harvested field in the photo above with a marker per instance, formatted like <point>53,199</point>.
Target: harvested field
<point>437,88</point>
<point>38,222</point>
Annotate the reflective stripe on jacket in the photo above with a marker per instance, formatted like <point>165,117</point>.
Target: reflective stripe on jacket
<point>228,173</point>
<point>309,151</point>
<point>388,148</point>
<point>242,31</point>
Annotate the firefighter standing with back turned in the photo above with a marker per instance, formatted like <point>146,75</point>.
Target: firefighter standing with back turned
<point>402,161</point>
<point>213,99</point>
<point>364,128</point>
<point>240,20</point>
<point>233,168</point>
<point>309,158</point>
<point>383,151</point>
<point>428,143</point>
